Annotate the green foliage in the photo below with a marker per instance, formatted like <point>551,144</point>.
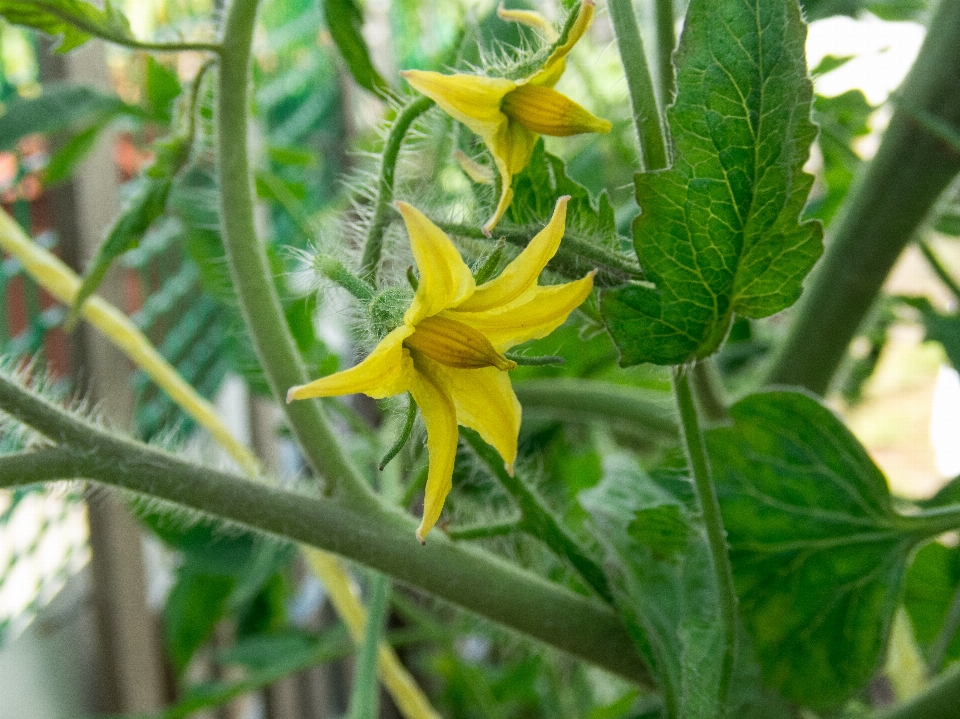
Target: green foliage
<point>842,120</point>
<point>146,204</point>
<point>660,570</point>
<point>818,552</point>
<point>942,328</point>
<point>345,22</point>
<point>60,106</point>
<point>75,20</point>
<point>930,591</point>
<point>718,233</point>
<point>886,9</point>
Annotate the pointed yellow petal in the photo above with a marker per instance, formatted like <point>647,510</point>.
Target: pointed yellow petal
<point>440,417</point>
<point>557,62</point>
<point>474,100</point>
<point>530,18</point>
<point>511,148</point>
<point>385,372</point>
<point>536,313</point>
<point>485,402</point>
<point>521,274</point>
<point>544,110</point>
<point>445,280</point>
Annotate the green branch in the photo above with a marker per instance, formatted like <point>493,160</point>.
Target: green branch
<point>716,535</point>
<point>643,99</point>
<point>539,521</point>
<point>596,400</point>
<point>888,202</point>
<point>666,43</point>
<point>382,539</point>
<point>250,270</point>
<point>571,248</point>
<point>388,166</point>
<point>484,531</point>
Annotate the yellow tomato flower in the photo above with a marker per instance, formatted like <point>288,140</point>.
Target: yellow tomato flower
<point>511,114</point>
<point>448,350</point>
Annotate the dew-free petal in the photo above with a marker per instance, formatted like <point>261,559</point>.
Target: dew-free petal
<point>522,273</point>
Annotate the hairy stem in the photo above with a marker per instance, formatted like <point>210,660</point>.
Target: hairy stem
<point>388,166</point>
<point>710,508</point>
<point>890,199</point>
<point>571,248</point>
<point>249,268</point>
<point>538,520</point>
<point>643,99</point>
<point>382,540</point>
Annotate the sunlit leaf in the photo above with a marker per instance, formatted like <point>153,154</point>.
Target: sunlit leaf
<point>75,20</point>
<point>718,233</point>
<point>818,552</point>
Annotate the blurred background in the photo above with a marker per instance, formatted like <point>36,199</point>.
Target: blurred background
<point>108,611</point>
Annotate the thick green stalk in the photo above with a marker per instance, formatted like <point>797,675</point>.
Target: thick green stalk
<point>539,521</point>
<point>643,99</point>
<point>710,508</point>
<point>382,539</point>
<point>388,166</point>
<point>596,400</point>
<point>938,701</point>
<point>666,43</point>
<point>890,199</point>
<point>249,268</point>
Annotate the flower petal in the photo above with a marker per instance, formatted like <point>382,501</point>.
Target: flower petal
<point>544,110</point>
<point>385,372</point>
<point>536,313</point>
<point>445,280</point>
<point>557,62</point>
<point>440,417</point>
<point>474,100</point>
<point>485,402</point>
<point>511,148</point>
<point>530,18</point>
<point>521,274</point>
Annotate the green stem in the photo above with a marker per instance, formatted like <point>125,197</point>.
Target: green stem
<point>334,270</point>
<point>484,531</point>
<point>388,166</point>
<point>940,646</point>
<point>571,248</point>
<point>643,99</point>
<point>945,277</point>
<point>249,267</point>
<point>931,522</point>
<point>540,521</point>
<point>416,485</point>
<point>938,701</point>
<point>889,200</point>
<point>382,538</point>
<point>710,508</point>
<point>709,388</point>
<point>601,401</point>
<point>666,43</point>
<point>535,360</point>
<point>364,700</point>
<point>32,467</point>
